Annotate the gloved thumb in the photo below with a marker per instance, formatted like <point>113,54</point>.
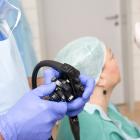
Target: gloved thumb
<point>49,74</point>
<point>44,90</point>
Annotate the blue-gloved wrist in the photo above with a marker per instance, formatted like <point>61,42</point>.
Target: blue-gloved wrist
<point>6,130</point>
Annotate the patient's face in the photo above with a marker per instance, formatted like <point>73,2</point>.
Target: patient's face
<point>111,70</point>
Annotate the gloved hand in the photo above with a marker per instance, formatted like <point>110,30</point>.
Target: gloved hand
<point>76,106</point>
<point>32,118</point>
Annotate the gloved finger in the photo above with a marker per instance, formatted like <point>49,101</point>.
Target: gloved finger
<point>49,74</point>
<point>84,79</point>
<point>75,104</point>
<point>44,90</point>
<point>75,113</point>
<point>89,87</point>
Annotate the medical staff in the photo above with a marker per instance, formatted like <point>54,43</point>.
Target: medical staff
<point>23,32</point>
<point>27,116</point>
<point>33,118</point>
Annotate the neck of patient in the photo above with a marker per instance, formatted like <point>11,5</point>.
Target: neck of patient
<point>101,99</point>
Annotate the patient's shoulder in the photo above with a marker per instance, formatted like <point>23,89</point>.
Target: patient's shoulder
<point>92,124</point>
<point>91,119</point>
<point>91,127</point>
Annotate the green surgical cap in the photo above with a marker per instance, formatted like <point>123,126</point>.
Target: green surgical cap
<point>87,54</point>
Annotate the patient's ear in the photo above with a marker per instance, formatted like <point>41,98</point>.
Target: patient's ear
<point>102,81</point>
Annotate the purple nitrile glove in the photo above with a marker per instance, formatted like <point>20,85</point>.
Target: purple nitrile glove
<point>32,118</point>
<point>76,106</point>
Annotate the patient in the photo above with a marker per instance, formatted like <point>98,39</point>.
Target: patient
<point>100,120</point>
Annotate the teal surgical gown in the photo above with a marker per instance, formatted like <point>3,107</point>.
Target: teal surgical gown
<point>95,124</point>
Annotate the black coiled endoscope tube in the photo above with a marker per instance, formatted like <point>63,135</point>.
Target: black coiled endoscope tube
<point>71,72</point>
<point>47,63</point>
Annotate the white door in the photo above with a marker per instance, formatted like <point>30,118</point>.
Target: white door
<point>66,20</point>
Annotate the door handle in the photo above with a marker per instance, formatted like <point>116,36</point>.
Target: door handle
<point>112,17</point>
